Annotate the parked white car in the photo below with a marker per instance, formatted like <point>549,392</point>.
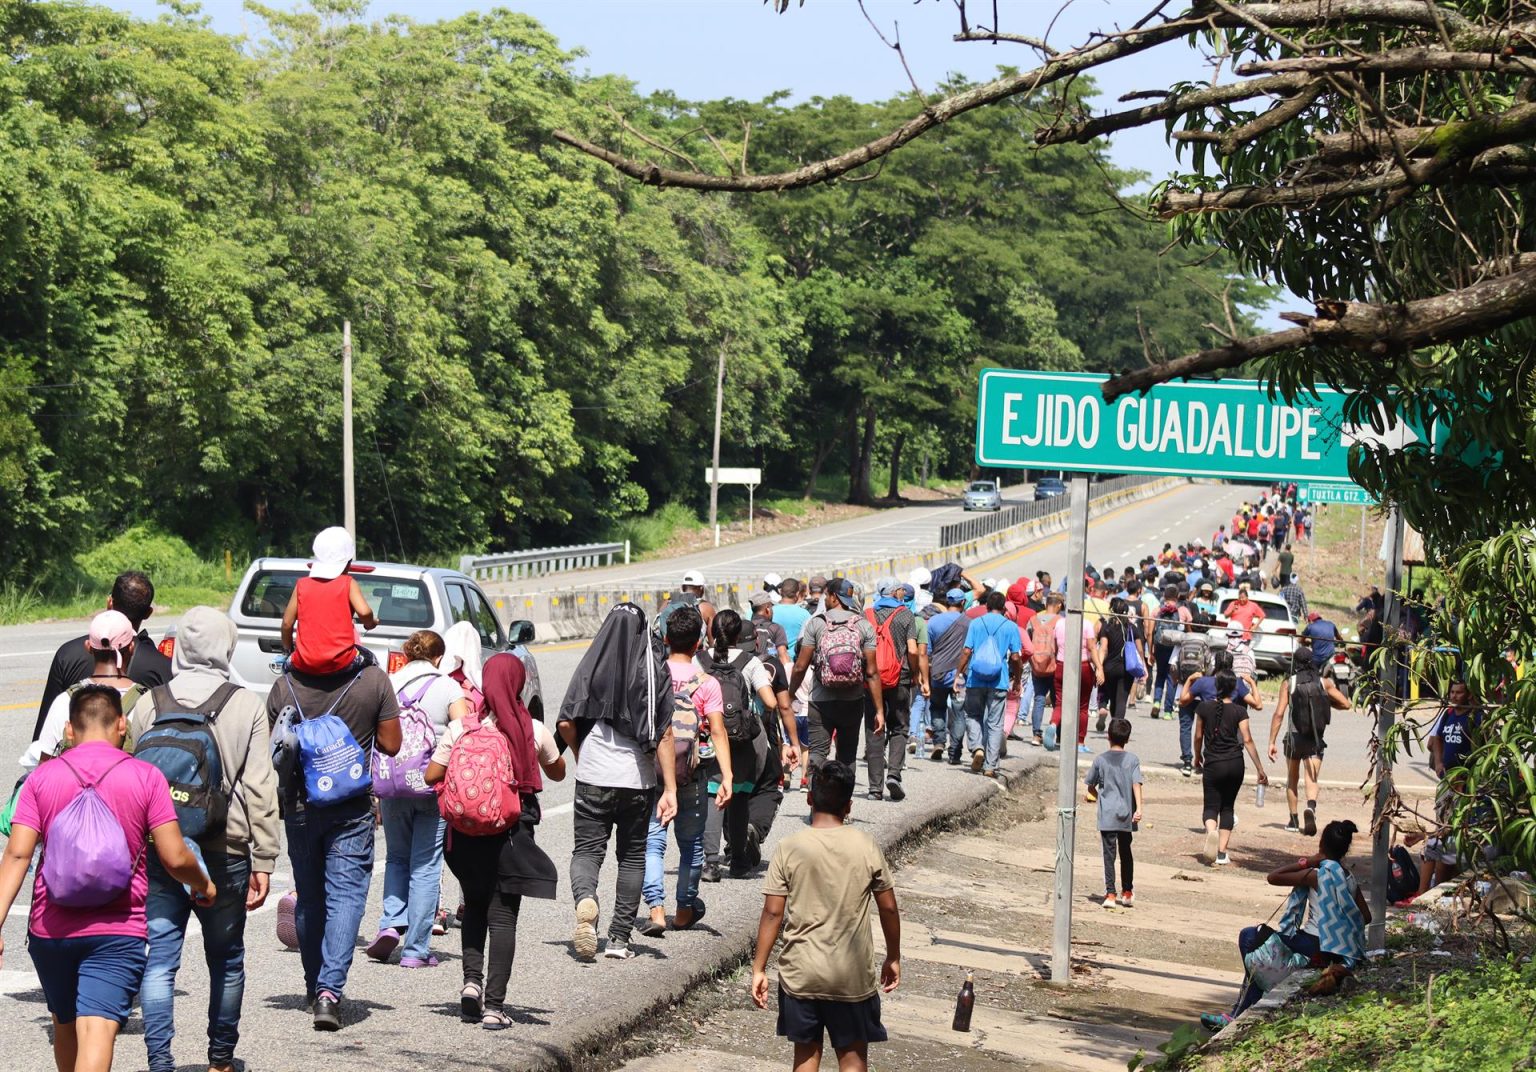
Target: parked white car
<point>1274,639</point>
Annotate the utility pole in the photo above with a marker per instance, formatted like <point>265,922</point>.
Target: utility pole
<point>714,475</point>
<point>349,493</point>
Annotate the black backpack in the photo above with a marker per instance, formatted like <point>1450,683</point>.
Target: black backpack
<point>743,721</point>
<point>1164,626</point>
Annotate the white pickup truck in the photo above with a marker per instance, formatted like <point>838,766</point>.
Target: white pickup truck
<point>405,598</point>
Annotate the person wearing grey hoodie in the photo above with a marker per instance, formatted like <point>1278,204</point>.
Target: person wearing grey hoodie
<point>239,859</point>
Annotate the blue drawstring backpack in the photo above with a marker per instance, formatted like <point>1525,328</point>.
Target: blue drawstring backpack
<point>334,765</point>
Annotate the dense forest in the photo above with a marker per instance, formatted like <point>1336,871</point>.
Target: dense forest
<point>186,218</point>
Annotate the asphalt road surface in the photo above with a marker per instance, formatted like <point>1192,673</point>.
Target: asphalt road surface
<point>789,554</point>
<point>398,1019</point>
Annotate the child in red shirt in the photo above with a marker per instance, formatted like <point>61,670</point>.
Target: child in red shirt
<point>321,610</point>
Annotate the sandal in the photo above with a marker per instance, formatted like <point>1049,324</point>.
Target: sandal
<point>470,1001</point>
<point>495,1020</point>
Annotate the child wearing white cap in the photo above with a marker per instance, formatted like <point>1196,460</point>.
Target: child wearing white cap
<point>317,623</point>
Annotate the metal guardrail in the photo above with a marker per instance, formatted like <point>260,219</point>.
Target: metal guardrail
<point>516,565</point>
<point>973,528</point>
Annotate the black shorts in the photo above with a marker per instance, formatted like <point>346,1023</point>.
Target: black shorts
<point>846,1023</point>
<point>1304,746</point>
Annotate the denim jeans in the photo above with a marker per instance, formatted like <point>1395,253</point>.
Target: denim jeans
<point>919,717</point>
<point>957,727</point>
<point>693,805</point>
<point>413,870</point>
<point>1187,734</point>
<point>624,815</point>
<point>331,852</point>
<point>1166,690</point>
<point>938,713</point>
<point>167,911</point>
<point>1044,687</point>
<point>984,722</point>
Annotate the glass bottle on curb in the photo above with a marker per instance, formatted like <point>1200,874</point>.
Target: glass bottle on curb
<point>965,1002</point>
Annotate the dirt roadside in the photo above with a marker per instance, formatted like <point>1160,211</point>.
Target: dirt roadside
<point>978,897</point>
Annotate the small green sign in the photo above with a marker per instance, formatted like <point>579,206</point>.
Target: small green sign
<point>1234,429</point>
<point>1338,494</point>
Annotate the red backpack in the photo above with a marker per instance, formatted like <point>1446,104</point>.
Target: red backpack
<point>886,659</point>
<point>478,795</point>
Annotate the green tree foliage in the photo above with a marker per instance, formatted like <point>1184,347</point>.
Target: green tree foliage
<point>185,222</point>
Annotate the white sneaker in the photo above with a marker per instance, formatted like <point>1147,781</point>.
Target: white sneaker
<point>617,950</point>
<point>1208,852</point>
<point>1222,860</point>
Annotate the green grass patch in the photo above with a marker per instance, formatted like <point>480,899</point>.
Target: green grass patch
<point>80,587</point>
<point>1478,1018</point>
<point>648,532</point>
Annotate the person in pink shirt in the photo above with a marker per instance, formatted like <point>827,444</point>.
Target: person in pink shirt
<point>90,960</point>
<point>1245,612</point>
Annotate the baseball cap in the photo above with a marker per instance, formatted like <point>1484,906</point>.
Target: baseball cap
<point>334,548</point>
<point>693,576</point>
<point>989,582</point>
<point>1234,630</point>
<point>1207,586</point>
<point>954,595</point>
<point>842,588</point>
<point>771,580</point>
<point>818,583</point>
<point>920,576</point>
<point>1313,616</point>
<point>110,631</point>
<point>760,599</point>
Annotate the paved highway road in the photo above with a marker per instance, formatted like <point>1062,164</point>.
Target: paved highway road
<point>790,554</point>
<point>397,1019</point>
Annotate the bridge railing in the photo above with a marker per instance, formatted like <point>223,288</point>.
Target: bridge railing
<point>516,565</point>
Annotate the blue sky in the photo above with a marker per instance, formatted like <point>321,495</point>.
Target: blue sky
<point>705,49</point>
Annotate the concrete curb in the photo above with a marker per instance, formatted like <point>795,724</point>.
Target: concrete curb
<point>575,612</point>
<point>1262,1010</point>
<point>591,1047</point>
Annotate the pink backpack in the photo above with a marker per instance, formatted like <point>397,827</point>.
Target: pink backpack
<point>478,795</point>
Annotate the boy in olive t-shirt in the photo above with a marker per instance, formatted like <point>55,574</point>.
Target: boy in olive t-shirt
<point>820,888</point>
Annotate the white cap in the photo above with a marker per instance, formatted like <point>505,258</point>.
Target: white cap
<point>694,577</point>
<point>989,582</point>
<point>920,576</point>
<point>334,549</point>
<point>771,582</point>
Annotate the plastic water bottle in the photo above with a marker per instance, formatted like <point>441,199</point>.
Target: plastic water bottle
<point>1258,795</point>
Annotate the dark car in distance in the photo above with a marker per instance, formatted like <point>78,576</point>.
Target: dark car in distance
<point>1050,487</point>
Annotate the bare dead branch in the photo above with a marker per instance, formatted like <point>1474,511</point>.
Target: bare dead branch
<point>1371,330</point>
<point>1085,130</point>
<point>1397,61</point>
<point>1012,38</point>
<point>629,128</point>
<point>1053,70</point>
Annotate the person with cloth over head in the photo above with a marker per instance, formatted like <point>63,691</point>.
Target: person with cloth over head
<point>616,716</point>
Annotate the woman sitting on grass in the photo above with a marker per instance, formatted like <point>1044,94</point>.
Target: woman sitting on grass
<point>1324,921</point>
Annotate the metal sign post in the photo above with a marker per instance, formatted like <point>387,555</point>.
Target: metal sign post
<point>750,477</point>
<point>1386,715</point>
<point>1071,660</point>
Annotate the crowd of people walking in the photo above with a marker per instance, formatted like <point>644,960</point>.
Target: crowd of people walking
<point>688,726</point>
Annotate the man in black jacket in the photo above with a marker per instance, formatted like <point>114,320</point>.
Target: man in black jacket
<point>134,596</point>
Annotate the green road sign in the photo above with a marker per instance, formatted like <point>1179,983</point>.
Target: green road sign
<point>1338,494</point>
<point>1231,428</point>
